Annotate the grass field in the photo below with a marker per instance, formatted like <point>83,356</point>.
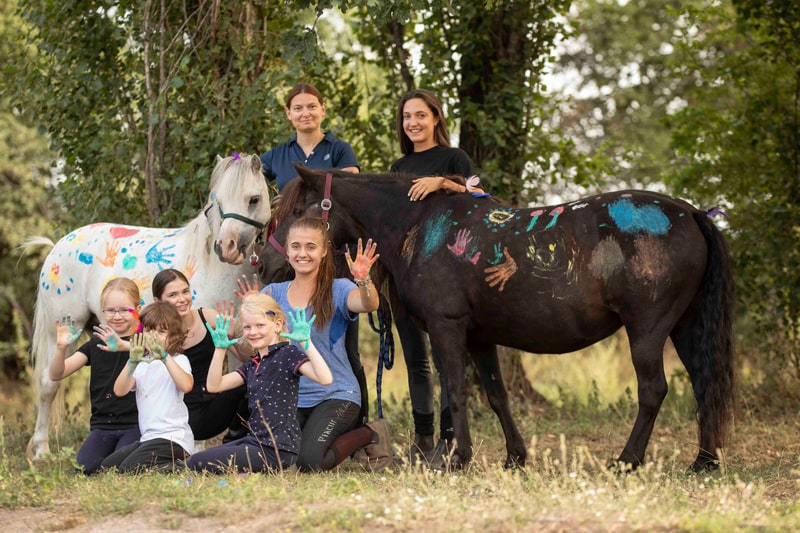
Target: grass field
<point>565,486</point>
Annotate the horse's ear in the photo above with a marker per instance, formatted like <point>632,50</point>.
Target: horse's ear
<point>255,164</point>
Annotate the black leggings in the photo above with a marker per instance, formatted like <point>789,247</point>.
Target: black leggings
<point>321,425</point>
<point>420,380</point>
<point>211,414</point>
<point>244,455</point>
<point>160,454</point>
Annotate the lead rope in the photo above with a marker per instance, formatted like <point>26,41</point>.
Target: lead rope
<point>386,355</point>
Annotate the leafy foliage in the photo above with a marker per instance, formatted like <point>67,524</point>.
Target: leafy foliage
<point>25,201</point>
<point>738,143</point>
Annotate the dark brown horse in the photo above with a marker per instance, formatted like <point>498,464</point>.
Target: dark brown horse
<point>554,279</point>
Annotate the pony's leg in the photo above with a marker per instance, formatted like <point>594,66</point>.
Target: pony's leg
<point>711,405</point>
<point>39,445</point>
<point>448,337</point>
<point>647,353</point>
<point>484,356</point>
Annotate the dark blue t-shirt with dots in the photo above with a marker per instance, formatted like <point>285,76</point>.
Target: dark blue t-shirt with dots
<point>273,384</point>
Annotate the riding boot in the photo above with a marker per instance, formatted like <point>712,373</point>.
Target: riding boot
<point>421,449</point>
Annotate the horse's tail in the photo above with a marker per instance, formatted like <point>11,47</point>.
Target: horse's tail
<point>712,336</point>
<point>41,348</point>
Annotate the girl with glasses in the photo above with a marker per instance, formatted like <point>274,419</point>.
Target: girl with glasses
<point>113,423</point>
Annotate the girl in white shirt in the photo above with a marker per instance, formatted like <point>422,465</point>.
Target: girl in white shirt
<point>160,376</point>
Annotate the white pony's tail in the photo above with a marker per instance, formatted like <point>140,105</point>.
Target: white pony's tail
<point>40,349</point>
<point>37,240</point>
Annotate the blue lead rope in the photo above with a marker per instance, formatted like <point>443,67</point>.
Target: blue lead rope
<point>386,355</point>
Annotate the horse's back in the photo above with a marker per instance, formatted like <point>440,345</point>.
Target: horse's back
<point>572,272</point>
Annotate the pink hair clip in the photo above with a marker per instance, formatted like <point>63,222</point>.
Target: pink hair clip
<point>473,182</point>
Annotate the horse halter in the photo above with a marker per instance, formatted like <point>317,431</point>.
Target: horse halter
<point>259,240</point>
<point>325,204</point>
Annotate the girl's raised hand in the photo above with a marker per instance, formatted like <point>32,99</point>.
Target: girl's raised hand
<point>136,353</point>
<point>301,328</point>
<point>365,258</point>
<point>65,331</point>
<point>157,350</point>
<point>247,288</point>
<point>223,323</point>
<point>109,337</point>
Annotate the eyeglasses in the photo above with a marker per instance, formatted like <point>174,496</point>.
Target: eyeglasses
<point>111,313</point>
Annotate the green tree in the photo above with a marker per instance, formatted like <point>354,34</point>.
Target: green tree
<point>139,98</point>
<point>738,142</point>
<point>25,203</point>
<point>625,83</point>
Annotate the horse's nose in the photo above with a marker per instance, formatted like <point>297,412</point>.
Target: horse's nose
<point>227,250</point>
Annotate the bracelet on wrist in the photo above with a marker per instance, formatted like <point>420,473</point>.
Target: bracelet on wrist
<point>362,282</point>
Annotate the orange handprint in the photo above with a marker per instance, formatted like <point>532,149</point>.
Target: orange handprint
<point>112,249</point>
<point>501,272</point>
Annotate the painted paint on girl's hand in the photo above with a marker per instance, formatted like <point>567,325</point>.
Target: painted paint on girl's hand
<point>633,219</point>
<point>435,233</point>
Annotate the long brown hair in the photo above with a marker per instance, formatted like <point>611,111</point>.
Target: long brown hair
<point>440,133</point>
<point>162,315</point>
<point>322,298</point>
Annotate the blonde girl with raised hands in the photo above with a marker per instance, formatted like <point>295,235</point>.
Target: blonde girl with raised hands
<point>272,378</point>
<point>114,420</point>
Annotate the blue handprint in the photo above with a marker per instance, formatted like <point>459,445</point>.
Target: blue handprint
<point>154,255</point>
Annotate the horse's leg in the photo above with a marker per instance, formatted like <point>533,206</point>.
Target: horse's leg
<point>39,445</point>
<point>703,339</point>
<point>647,353</point>
<point>484,356</point>
<point>448,337</point>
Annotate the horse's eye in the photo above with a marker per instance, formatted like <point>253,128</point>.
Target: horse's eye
<point>297,212</point>
<point>254,200</point>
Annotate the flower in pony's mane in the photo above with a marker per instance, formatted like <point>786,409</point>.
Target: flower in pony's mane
<point>236,156</point>
<point>135,314</point>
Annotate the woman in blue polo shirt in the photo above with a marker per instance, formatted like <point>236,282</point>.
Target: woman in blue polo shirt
<point>310,146</point>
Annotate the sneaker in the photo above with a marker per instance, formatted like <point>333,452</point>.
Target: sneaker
<point>379,452</point>
<point>421,449</point>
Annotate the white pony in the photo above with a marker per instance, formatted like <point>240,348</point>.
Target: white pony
<point>81,263</point>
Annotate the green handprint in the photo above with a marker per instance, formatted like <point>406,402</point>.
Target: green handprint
<point>220,333</point>
<point>136,354</point>
<point>157,350</point>
<point>301,328</point>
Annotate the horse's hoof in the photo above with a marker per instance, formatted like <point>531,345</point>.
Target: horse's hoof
<point>704,464</point>
<point>514,463</point>
<point>621,467</point>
